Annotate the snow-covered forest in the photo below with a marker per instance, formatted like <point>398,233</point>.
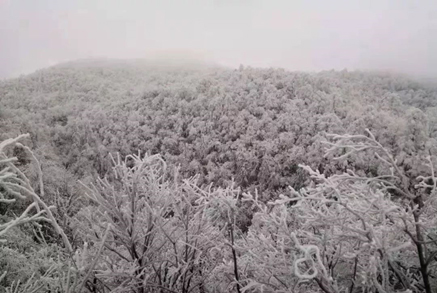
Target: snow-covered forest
<point>121,176</point>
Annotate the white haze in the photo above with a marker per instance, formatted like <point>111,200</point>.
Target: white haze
<point>394,35</point>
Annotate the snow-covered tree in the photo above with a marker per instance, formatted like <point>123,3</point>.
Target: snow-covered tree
<point>346,232</point>
<point>160,237</point>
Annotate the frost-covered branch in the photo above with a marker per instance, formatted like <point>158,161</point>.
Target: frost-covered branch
<point>345,232</point>
<point>16,184</point>
<point>161,234</point>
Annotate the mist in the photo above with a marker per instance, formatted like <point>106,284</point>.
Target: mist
<point>389,35</point>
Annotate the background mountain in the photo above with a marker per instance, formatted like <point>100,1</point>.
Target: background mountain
<point>246,127</point>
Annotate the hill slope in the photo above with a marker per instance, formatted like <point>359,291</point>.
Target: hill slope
<point>253,125</point>
<point>359,220</point>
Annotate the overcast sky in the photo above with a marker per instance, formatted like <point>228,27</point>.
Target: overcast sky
<point>398,35</point>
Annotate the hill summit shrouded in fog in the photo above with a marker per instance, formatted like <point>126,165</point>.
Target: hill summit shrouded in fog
<point>171,59</point>
<point>200,178</point>
<point>297,35</point>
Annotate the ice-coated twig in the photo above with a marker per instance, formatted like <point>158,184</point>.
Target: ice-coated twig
<point>17,184</point>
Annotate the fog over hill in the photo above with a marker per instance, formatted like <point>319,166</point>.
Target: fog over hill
<point>312,35</point>
<point>208,146</point>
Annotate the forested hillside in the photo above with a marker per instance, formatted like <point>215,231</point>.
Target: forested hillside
<point>196,178</point>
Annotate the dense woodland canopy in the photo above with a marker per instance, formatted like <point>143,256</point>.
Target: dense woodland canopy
<point>191,178</point>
